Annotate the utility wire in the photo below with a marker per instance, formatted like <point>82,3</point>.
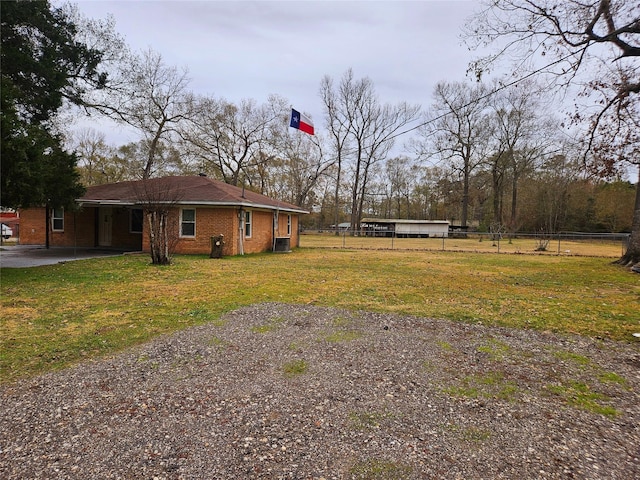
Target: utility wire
<point>482,97</point>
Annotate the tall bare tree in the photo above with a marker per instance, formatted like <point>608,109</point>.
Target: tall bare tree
<point>150,96</point>
<point>456,132</point>
<point>338,123</point>
<point>300,165</point>
<point>593,45</point>
<point>231,141</point>
<point>522,134</point>
<point>93,155</point>
<point>399,184</point>
<point>154,99</point>
<point>367,127</point>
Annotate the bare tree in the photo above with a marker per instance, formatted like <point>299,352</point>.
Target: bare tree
<point>399,185</point>
<point>367,127</point>
<point>93,155</point>
<point>299,167</point>
<point>151,97</point>
<point>231,141</point>
<point>556,174</point>
<point>522,134</point>
<point>158,197</point>
<point>593,45</point>
<point>456,132</point>
<point>339,126</point>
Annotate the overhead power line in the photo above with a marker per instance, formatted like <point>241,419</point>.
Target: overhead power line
<point>487,95</point>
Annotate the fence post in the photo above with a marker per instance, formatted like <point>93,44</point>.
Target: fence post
<point>558,243</point>
<point>625,244</point>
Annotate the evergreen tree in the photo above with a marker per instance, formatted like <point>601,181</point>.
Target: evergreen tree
<point>42,67</point>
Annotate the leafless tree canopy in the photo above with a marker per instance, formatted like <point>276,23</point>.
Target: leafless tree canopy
<point>590,44</point>
<point>457,131</point>
<point>593,45</point>
<point>362,131</point>
<point>232,141</point>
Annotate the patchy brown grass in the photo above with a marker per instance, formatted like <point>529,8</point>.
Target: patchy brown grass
<point>55,315</point>
<point>473,243</point>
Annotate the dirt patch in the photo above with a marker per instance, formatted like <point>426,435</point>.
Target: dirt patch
<point>284,391</point>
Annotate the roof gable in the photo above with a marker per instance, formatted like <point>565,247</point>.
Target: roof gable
<point>181,190</point>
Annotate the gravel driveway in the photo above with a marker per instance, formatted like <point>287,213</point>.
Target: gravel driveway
<point>279,391</point>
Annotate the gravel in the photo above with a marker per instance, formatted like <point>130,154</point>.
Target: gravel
<point>301,392</point>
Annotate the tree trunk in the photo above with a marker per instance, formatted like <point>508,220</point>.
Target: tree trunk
<point>355,214</point>
<point>158,238</point>
<point>632,255</point>
<point>465,198</point>
<point>513,222</point>
<point>336,213</point>
<point>497,197</point>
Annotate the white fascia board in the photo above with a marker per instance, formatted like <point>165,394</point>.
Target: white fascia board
<point>111,203</point>
<point>242,205</point>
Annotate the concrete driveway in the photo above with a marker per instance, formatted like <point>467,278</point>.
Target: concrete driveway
<point>21,256</point>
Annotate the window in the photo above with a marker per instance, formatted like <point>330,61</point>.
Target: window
<point>188,222</point>
<point>135,220</point>
<point>288,224</point>
<point>57,220</point>
<point>247,224</point>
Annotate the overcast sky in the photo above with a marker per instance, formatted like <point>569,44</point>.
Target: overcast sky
<point>241,49</point>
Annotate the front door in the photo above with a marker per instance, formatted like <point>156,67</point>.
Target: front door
<point>104,226</point>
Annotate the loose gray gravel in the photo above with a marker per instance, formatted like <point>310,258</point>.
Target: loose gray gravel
<point>300,392</point>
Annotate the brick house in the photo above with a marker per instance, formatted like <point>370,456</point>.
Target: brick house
<point>111,216</point>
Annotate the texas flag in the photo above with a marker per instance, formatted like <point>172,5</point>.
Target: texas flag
<point>301,122</point>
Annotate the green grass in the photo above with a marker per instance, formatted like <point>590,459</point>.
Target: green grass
<point>487,385</point>
<point>580,395</point>
<point>295,367</point>
<point>495,349</point>
<point>55,315</point>
<point>271,326</point>
<point>381,469</point>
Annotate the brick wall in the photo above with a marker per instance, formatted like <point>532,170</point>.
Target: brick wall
<point>209,222</point>
<point>79,229</point>
<point>213,221</point>
<point>33,228</point>
<point>261,232</point>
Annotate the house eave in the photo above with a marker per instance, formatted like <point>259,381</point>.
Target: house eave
<point>111,203</point>
<point>122,203</point>
<point>244,205</point>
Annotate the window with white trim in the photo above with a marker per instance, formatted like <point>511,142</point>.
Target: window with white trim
<point>57,220</point>
<point>288,224</point>
<point>247,224</point>
<point>135,220</point>
<point>188,222</point>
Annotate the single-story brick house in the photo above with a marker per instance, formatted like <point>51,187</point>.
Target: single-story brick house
<point>111,216</point>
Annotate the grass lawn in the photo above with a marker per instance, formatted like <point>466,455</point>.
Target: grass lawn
<point>476,243</point>
<point>55,315</point>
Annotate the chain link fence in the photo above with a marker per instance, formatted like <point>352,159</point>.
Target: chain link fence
<point>563,243</point>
